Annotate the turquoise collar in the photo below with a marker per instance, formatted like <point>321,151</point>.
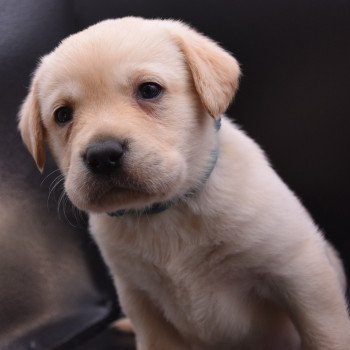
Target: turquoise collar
<point>159,207</point>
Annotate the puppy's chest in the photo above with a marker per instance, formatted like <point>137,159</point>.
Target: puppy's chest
<point>188,278</point>
<point>191,290</point>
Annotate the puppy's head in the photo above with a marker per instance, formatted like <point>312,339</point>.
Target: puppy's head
<point>126,107</point>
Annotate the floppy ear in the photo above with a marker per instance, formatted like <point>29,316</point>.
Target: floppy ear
<point>31,127</point>
<point>215,72</point>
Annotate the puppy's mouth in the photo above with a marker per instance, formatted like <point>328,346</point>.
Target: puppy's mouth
<point>110,193</point>
<point>116,186</point>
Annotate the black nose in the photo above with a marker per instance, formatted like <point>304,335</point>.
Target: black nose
<point>103,157</point>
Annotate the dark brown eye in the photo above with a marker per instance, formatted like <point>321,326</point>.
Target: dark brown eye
<point>148,91</point>
<point>63,115</point>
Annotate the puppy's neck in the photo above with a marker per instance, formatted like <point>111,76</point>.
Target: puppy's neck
<point>159,207</point>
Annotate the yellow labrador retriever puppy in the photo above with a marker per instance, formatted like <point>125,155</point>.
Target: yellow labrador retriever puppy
<point>208,248</point>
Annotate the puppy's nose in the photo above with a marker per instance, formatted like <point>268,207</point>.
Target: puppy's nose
<point>103,157</point>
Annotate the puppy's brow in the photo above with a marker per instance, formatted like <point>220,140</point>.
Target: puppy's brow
<point>159,73</point>
<point>59,95</point>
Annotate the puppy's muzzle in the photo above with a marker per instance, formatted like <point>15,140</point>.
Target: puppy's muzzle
<point>104,157</point>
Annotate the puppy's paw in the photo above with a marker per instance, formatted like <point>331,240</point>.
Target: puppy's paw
<point>124,325</point>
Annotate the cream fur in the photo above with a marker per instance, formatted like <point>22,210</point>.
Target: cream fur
<point>240,265</point>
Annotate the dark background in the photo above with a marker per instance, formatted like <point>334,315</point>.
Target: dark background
<point>293,100</point>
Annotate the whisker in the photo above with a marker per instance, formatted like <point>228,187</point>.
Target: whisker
<point>74,210</point>
<point>59,204</point>
<point>58,180</point>
<point>59,177</point>
<point>65,201</point>
<point>48,175</point>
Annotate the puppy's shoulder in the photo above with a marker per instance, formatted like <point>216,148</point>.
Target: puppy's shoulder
<point>239,153</point>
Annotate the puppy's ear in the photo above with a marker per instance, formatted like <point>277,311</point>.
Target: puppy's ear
<point>215,72</point>
<point>31,127</point>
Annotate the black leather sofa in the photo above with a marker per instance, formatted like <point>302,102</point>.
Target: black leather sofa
<point>294,99</point>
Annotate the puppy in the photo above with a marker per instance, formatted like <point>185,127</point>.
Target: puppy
<point>208,247</point>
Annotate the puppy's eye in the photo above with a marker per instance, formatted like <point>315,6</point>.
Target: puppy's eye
<point>63,115</point>
<point>148,91</point>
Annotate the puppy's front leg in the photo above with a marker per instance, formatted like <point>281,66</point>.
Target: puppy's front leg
<point>313,295</point>
<point>153,331</point>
